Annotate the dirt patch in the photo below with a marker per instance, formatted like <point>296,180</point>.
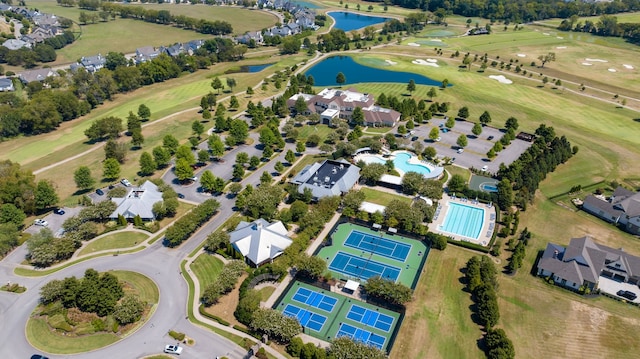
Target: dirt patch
<point>77,316</point>
<point>227,304</point>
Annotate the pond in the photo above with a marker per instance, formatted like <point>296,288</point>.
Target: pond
<point>348,21</point>
<point>307,4</point>
<point>325,73</point>
<point>248,68</point>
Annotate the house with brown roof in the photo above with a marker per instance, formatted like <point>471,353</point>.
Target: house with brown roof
<point>583,262</point>
<point>332,103</point>
<point>36,75</point>
<point>621,208</point>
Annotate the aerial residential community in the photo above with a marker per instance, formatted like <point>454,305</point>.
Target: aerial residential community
<point>319,179</point>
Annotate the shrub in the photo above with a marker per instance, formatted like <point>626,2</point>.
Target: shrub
<point>59,322</point>
<point>176,335</point>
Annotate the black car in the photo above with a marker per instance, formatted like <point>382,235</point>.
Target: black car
<point>100,192</point>
<point>58,211</point>
<point>627,294</point>
<point>490,138</point>
<point>38,356</point>
<point>180,195</point>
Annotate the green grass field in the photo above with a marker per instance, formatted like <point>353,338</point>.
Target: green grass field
<point>623,17</point>
<point>381,198</point>
<point>206,268</point>
<point>41,337</point>
<point>114,241</point>
<point>266,292</point>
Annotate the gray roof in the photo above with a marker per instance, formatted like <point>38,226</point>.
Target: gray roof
<point>584,260</point>
<point>260,241</point>
<point>174,50</point>
<point>328,178</point>
<point>15,44</point>
<point>622,201</point>
<point>146,53</point>
<point>93,63</point>
<point>36,75</point>
<point>139,201</point>
<point>6,84</point>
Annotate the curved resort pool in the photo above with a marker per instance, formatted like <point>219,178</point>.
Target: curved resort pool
<point>403,162</point>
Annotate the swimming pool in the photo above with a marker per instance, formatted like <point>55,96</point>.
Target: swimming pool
<point>463,220</point>
<point>403,162</point>
<point>489,187</point>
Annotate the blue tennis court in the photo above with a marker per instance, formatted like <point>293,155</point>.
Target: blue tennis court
<point>361,335</point>
<point>362,268</point>
<point>315,299</point>
<point>306,318</point>
<point>370,317</point>
<point>378,245</point>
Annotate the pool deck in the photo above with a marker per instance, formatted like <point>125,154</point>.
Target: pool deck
<point>488,223</point>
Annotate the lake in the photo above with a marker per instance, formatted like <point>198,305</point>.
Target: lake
<point>248,68</point>
<point>307,4</point>
<point>325,73</point>
<point>348,21</point>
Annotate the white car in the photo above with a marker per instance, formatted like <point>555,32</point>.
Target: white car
<point>173,349</point>
<point>41,222</point>
<point>194,178</point>
<point>460,150</point>
<point>125,182</point>
<point>485,168</point>
<point>438,139</point>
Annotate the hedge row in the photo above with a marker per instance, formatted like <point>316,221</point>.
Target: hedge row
<point>211,316</point>
<point>189,223</point>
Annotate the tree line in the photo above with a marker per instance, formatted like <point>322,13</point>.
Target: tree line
<point>482,283</point>
<point>164,17</point>
<point>607,25</point>
<point>190,222</point>
<point>517,10</point>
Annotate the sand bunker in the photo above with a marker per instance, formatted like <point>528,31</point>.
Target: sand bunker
<point>521,55</point>
<point>432,61</point>
<point>391,62</point>
<point>545,34</point>
<point>559,37</point>
<point>436,40</point>
<point>595,60</point>
<point>561,47</point>
<point>413,44</point>
<point>501,79</point>
<point>587,64</point>
<point>424,63</point>
<point>612,70</point>
<point>628,67</point>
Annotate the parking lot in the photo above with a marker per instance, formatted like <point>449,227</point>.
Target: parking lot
<point>54,221</point>
<point>475,153</point>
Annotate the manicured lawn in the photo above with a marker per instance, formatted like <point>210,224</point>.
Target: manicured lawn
<point>321,130</point>
<point>381,198</point>
<point>145,288</point>
<point>206,268</point>
<point>465,173</point>
<point>41,337</point>
<point>437,323</point>
<point>114,241</point>
<point>266,292</point>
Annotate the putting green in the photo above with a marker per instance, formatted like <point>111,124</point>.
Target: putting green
<point>439,33</point>
<point>435,43</point>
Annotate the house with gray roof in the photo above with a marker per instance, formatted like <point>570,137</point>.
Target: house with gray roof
<point>621,208</point>
<point>583,262</point>
<point>327,178</point>
<point>5,7</point>
<point>260,241</point>
<point>138,202</point>
<point>36,75</point>
<point>173,50</point>
<point>146,53</point>
<point>193,45</point>
<point>6,85</point>
<point>93,63</point>
<point>250,35</point>
<point>15,44</point>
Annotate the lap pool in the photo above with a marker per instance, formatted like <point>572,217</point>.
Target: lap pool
<point>463,220</point>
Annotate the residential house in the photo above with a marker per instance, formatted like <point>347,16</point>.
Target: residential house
<point>46,20</point>
<point>583,262</point>
<point>327,178</point>
<point>15,44</point>
<point>173,50</point>
<point>306,19</point>
<point>260,241</point>
<point>281,31</point>
<point>138,202</point>
<point>146,53</point>
<point>5,7</point>
<point>250,35</point>
<point>40,33</point>
<point>29,14</point>
<point>6,85</point>
<point>193,45</point>
<point>36,75</point>
<point>622,208</point>
<point>93,63</point>
<point>332,103</point>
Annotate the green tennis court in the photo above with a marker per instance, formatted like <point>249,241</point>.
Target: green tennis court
<point>358,253</point>
<point>326,315</point>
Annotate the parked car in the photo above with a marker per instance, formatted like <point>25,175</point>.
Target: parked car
<point>438,139</point>
<point>41,222</point>
<point>460,150</point>
<point>194,178</point>
<point>173,349</point>
<point>125,182</point>
<point>38,356</point>
<point>490,138</point>
<point>100,192</point>
<point>414,138</point>
<point>59,211</point>
<point>180,195</point>
<point>453,159</point>
<point>627,294</point>
<point>485,168</point>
